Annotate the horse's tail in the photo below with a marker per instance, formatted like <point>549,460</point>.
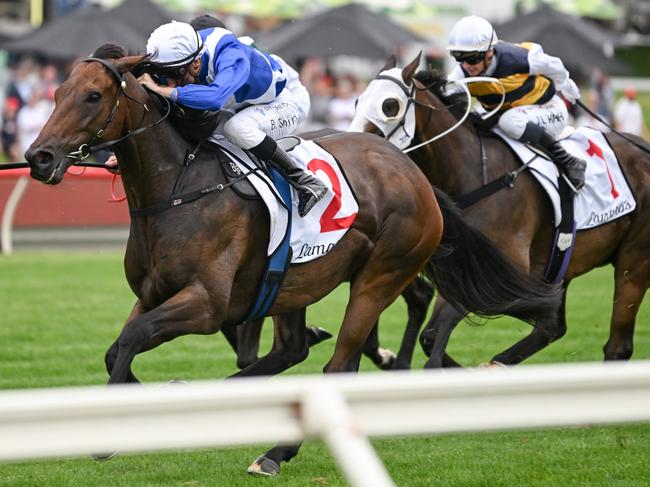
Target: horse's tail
<point>474,276</point>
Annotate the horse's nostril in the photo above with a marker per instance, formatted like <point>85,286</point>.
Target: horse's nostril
<point>39,157</point>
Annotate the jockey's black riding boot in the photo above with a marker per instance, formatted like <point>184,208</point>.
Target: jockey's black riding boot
<point>573,167</point>
<point>310,189</point>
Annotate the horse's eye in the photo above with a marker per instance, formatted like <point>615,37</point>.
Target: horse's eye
<point>94,97</point>
<point>390,107</point>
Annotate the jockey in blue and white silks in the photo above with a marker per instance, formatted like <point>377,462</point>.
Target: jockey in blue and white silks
<point>532,112</point>
<point>213,70</point>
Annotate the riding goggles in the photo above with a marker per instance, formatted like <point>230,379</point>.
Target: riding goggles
<point>470,58</point>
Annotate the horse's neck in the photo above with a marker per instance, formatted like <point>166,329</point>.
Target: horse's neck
<point>151,163</point>
<point>447,162</point>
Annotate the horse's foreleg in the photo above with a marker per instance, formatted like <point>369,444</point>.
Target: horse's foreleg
<point>230,334</point>
<point>111,353</point>
<point>188,311</point>
<point>632,281</point>
<point>370,294</point>
<point>435,336</point>
<point>543,333</point>
<point>248,342</point>
<point>269,462</point>
<point>289,346</point>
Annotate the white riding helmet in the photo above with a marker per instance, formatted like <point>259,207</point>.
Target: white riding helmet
<point>174,44</point>
<point>472,34</point>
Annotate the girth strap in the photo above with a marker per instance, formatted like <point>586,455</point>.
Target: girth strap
<point>505,181</point>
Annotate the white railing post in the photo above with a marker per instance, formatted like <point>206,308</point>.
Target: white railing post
<point>325,414</point>
<point>6,228</point>
<point>343,409</point>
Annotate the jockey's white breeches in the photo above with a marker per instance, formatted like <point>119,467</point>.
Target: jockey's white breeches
<point>279,118</point>
<point>552,116</point>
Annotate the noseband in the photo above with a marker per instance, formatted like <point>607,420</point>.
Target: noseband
<point>86,150</point>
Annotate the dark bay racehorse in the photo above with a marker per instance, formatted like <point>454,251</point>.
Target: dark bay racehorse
<point>196,267</point>
<point>518,220</point>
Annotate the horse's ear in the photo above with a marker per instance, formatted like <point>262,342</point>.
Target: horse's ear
<point>411,68</point>
<point>127,63</point>
<point>390,64</point>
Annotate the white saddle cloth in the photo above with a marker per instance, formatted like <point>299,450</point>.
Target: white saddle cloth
<point>606,195</point>
<point>315,234</point>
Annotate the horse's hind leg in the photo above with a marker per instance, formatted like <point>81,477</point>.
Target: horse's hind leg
<point>418,296</point>
<point>543,333</point>
<point>436,335</point>
<point>372,291</point>
<point>632,279</point>
<point>381,357</point>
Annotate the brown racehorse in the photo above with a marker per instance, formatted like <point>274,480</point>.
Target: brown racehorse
<point>196,267</point>
<point>517,219</point>
<point>184,263</point>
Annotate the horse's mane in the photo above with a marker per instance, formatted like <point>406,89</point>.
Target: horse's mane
<point>436,84</point>
<point>109,51</point>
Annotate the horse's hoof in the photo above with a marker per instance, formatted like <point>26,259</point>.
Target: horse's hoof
<point>177,381</point>
<point>387,358</point>
<point>316,334</point>
<point>400,365</point>
<point>104,457</point>
<point>492,365</point>
<point>264,466</point>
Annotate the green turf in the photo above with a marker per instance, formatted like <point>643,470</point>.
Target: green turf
<point>60,311</point>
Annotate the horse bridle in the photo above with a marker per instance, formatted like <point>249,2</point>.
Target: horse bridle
<point>410,95</point>
<point>87,149</point>
<point>410,99</point>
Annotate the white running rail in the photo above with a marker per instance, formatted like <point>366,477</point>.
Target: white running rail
<point>343,410</point>
<point>7,223</point>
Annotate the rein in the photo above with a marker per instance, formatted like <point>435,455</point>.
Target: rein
<point>450,129</point>
<point>86,150</point>
<point>604,122</point>
<point>24,165</point>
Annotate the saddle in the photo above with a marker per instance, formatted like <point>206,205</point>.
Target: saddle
<point>232,172</point>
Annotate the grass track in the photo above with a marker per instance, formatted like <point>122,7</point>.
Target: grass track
<point>60,311</point>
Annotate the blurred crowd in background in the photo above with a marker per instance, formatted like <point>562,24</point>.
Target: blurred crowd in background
<point>29,100</point>
<point>28,84</point>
